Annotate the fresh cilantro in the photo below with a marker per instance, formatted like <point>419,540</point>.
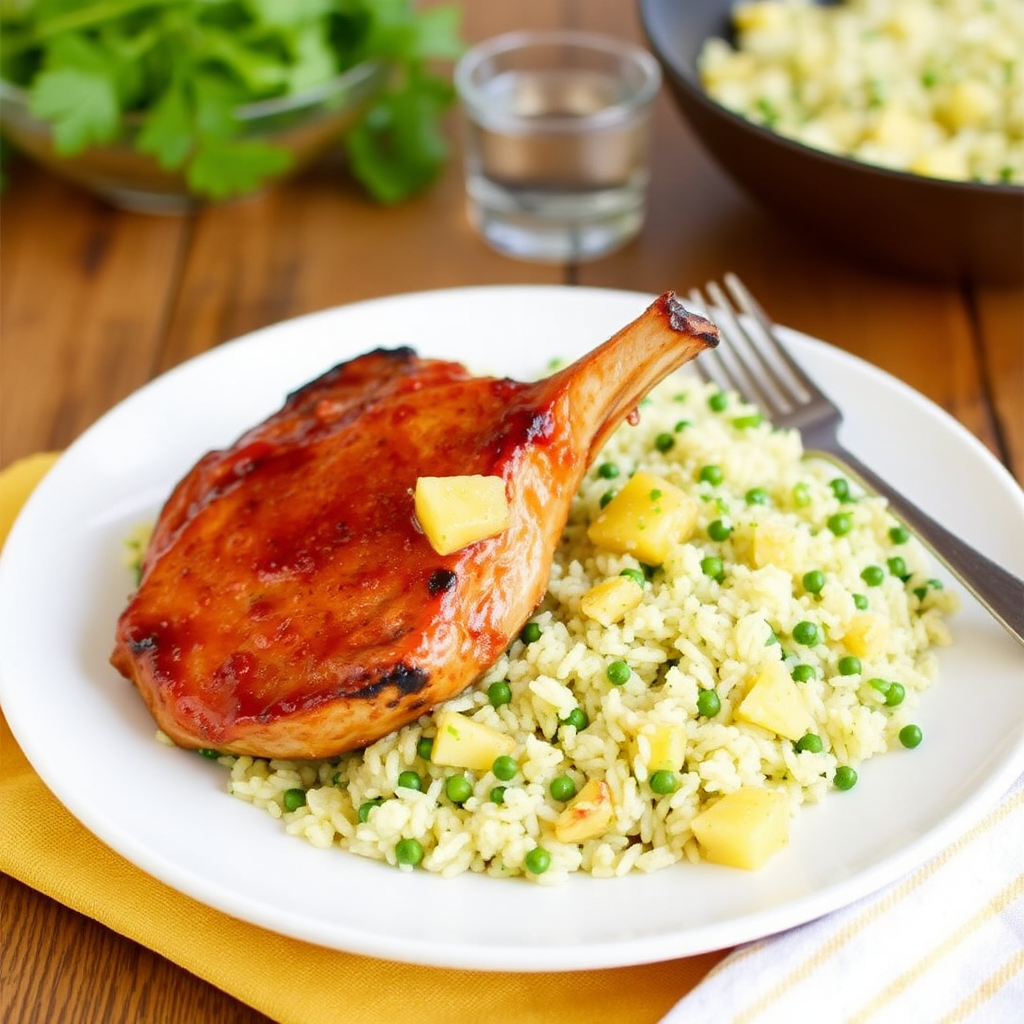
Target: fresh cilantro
<point>81,106</point>
<point>167,132</point>
<point>222,167</point>
<point>177,71</point>
<point>398,147</point>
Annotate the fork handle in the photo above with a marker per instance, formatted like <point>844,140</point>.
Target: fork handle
<point>1000,591</point>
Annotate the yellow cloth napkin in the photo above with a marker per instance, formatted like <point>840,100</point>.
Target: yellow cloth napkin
<point>293,982</point>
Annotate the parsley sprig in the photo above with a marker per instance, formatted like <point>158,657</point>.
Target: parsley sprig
<point>181,68</point>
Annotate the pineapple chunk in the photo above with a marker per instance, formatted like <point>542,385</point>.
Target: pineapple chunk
<point>775,703</point>
<point>942,161</point>
<point>899,130</point>
<point>462,742</point>
<point>762,16</point>
<point>588,815</point>
<point>867,635</point>
<point>645,519</point>
<point>744,828</point>
<point>971,103</point>
<point>780,545</point>
<point>667,742</point>
<point>456,511</point>
<point>608,601</point>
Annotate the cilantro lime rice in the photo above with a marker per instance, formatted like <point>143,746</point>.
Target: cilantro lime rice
<point>792,583</point>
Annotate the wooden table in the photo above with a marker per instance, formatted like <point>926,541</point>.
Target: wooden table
<point>94,302</point>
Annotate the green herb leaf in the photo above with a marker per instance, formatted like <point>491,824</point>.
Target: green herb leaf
<point>314,60</point>
<point>398,148</point>
<point>81,105</point>
<point>262,72</point>
<point>223,168</point>
<point>168,133</point>
<point>183,68</point>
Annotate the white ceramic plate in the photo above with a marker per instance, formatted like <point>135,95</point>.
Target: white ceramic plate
<point>88,735</point>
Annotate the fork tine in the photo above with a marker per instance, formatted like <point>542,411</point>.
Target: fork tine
<point>766,328</point>
<point>712,365</point>
<point>726,366</point>
<point>752,374</point>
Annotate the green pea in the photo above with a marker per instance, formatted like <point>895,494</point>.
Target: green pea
<point>873,575</point>
<point>712,566</point>
<point>746,422</point>
<point>608,471</point>
<point>530,633</point>
<point>409,851</point>
<point>911,736</point>
<point>364,808</point>
<point>719,531</point>
<point>718,401</point>
<point>618,672</point>
<point>664,442</point>
<point>410,780</point>
<point>498,794</point>
<point>881,685</point>
<point>562,788</point>
<point>458,788</point>
<point>681,425</point>
<point>711,475</point>
<point>293,799</point>
<point>757,496</point>
<point>803,673</point>
<point>840,487</point>
<point>708,703</point>
<point>607,497</point>
<point>898,567</point>
<point>845,777</point>
<point>813,581</point>
<point>499,693</point>
<point>636,575</point>
<point>840,523</point>
<point>849,666</point>
<point>899,535</point>
<point>577,718</point>
<point>810,742</point>
<point>537,861</point>
<point>895,695</point>
<point>860,602</point>
<point>806,633</point>
<point>663,782</point>
<point>208,752</point>
<point>505,767</point>
<point>801,495</point>
<point>425,747</point>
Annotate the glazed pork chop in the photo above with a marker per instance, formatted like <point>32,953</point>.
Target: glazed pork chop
<point>290,605</point>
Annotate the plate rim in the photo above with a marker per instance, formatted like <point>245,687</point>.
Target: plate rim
<point>642,950</point>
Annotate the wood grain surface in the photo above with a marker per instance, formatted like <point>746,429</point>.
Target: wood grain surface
<point>96,301</point>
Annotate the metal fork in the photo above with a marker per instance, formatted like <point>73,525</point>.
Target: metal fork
<point>753,363</point>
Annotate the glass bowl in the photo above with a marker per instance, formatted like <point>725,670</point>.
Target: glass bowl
<point>307,125</point>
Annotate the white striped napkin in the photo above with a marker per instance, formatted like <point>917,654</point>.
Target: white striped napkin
<point>943,945</point>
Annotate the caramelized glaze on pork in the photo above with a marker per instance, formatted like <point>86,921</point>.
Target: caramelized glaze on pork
<point>289,605</point>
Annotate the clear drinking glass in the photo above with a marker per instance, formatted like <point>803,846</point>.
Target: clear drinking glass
<point>556,140</point>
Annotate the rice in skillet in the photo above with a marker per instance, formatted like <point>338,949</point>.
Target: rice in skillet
<point>790,576</point>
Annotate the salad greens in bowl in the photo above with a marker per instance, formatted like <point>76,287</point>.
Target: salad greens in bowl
<point>162,104</point>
